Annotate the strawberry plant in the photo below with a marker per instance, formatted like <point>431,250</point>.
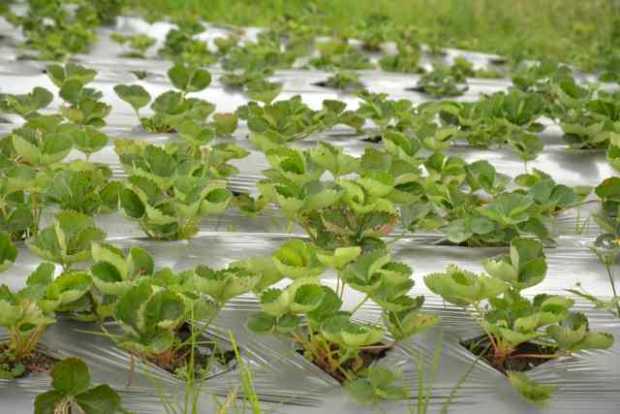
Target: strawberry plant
<point>83,187</point>
<point>591,123</point>
<point>138,44</point>
<point>56,31</point>
<point>114,273</point>
<point>310,313</point>
<point>442,82</point>
<point>180,44</point>
<point>171,108</point>
<point>41,141</point>
<point>383,112</point>
<point>519,332</point>
<point>72,391</point>
<point>374,31</point>
<point>26,105</point>
<point>339,54</point>
<point>406,60</point>
<point>344,81</point>
<point>163,317</point>
<point>263,91</point>
<point>67,240</point>
<point>27,313</point>
<point>265,54</point>
<point>20,200</point>
<point>83,105</point>
<point>289,120</point>
<point>342,212</point>
<point>237,80</point>
<point>169,189</point>
<point>495,118</point>
<point>449,199</point>
<point>149,316</point>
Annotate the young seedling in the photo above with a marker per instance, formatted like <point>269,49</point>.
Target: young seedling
<point>289,120</point>
<point>71,391</point>
<point>263,90</point>
<point>83,105</point>
<point>112,274</point>
<point>442,82</point>
<point>67,240</point>
<point>26,314</point>
<point>591,123</point>
<point>338,54</point>
<point>26,105</point>
<point>21,200</point>
<point>310,313</point>
<point>172,108</point>
<point>169,189</point>
<point>342,212</point>
<point>164,317</point>
<point>346,81</point>
<point>521,332</point>
<point>180,44</point>
<point>138,44</point>
<point>495,118</point>
<point>83,187</point>
<point>406,60</point>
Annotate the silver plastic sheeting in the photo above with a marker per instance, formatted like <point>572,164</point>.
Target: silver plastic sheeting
<point>284,380</point>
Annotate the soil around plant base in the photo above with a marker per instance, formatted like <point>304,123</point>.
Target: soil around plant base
<point>520,360</point>
<point>37,362</point>
<point>205,354</point>
<point>366,357</point>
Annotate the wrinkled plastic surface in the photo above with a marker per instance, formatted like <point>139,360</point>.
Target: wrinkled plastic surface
<point>284,380</point>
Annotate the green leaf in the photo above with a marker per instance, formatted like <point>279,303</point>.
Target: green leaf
<point>131,204</point>
<point>530,390</point>
<point>263,91</point>
<point>297,259</point>
<point>261,322</point>
<point>99,400</point>
<point>225,123</point>
<point>464,288</point>
<point>340,257</point>
<point>307,298</point>
<point>90,140</point>
<point>70,377</point>
<point>188,78</point>
<point>72,90</point>
<point>165,309</point>
<point>8,252</point>
<point>134,95</point>
<point>46,402</point>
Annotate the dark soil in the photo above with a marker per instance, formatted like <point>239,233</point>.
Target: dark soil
<point>420,89</point>
<point>373,139</point>
<point>354,366</point>
<point>205,353</point>
<point>36,363</point>
<point>517,361</point>
<point>322,84</point>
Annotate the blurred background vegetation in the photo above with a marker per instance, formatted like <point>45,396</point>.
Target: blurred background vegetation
<point>582,32</point>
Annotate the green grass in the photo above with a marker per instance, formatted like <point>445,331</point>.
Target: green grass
<point>576,31</point>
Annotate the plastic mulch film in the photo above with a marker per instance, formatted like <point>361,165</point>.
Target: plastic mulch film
<point>286,382</point>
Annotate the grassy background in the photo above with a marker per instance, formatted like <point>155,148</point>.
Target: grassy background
<point>577,31</point>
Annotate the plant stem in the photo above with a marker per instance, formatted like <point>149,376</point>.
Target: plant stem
<point>539,356</point>
<point>613,284</point>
